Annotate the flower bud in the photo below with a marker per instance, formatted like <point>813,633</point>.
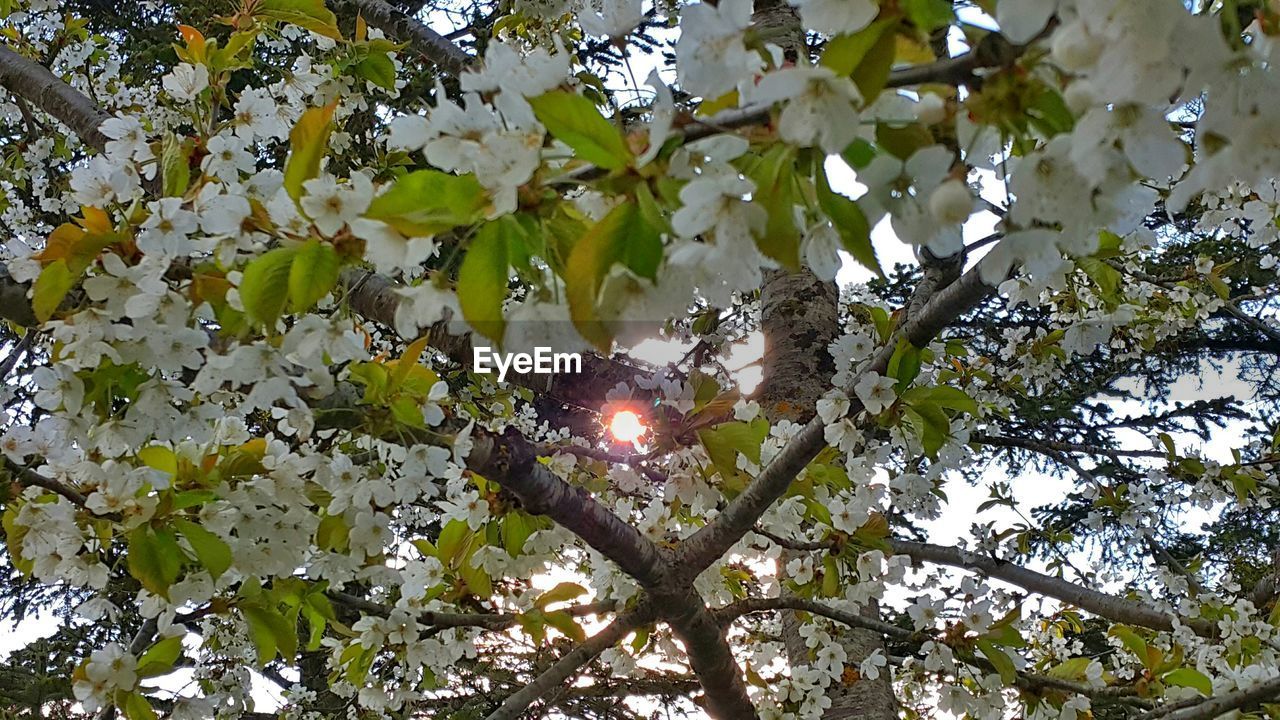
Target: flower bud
<point>1074,48</point>
<point>931,109</point>
<point>951,203</point>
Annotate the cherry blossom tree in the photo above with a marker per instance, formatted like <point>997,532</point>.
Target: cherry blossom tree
<point>251,248</point>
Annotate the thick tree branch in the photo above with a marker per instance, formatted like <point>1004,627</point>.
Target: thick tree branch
<point>511,461</point>
<point>709,653</point>
<point>1113,608</point>
<point>43,89</point>
<point>422,39</point>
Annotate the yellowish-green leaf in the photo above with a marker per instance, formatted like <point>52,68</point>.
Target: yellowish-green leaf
<point>175,168</point>
<point>482,281</point>
<point>154,559</point>
<point>621,236</point>
<point>50,288</point>
<point>312,274</point>
<point>999,660</point>
<point>427,202</point>
<point>264,287</point>
<point>160,657</point>
<point>565,623</point>
<point>308,142</point>
<point>1191,678</point>
<point>160,458</point>
<point>1073,669</point>
<point>212,551</point>
<point>135,706</point>
<point>575,121</point>
<point>844,53</point>
<point>563,592</point>
<point>1131,641</point>
<point>850,222</point>
<point>309,14</point>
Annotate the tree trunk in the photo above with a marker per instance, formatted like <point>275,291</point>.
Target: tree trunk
<point>799,318</point>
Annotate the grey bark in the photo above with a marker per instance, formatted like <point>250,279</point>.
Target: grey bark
<point>33,81</point>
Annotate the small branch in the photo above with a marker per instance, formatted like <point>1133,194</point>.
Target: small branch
<point>31,478</point>
<point>731,612</point>
<point>1052,445</point>
<point>569,664</point>
<point>636,461</point>
<point>797,545</point>
<point>1221,704</point>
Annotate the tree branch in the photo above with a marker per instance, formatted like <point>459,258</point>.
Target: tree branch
<point>716,537</point>
<point>733,611</point>
<point>1114,608</point>
<point>510,461</point>
<point>570,663</point>
<point>425,41</point>
<point>1222,704</point>
<point>41,88</point>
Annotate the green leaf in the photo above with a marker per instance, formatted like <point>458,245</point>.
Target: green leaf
<point>159,658</point>
<point>1105,277</point>
<point>312,275</point>
<point>264,287</point>
<point>724,441</point>
<point>318,612</point>
<point>903,140</point>
<point>483,279</point>
<point>154,559</point>
<point>378,69</point>
<point>944,396</point>
<point>575,121</point>
<point>1191,678</point>
<point>309,14</point>
<point>621,236</point>
<point>428,202</point>
<point>565,623</point>
<point>50,288</point>
<point>1131,640</point>
<point>999,660</point>
<point>849,220</point>
<point>1073,669</point>
<point>135,706</point>
<point>844,53</point>
<point>929,15</point>
<point>271,632</point>
<point>563,592</point>
<point>904,365</point>
<point>872,72</point>
<point>774,177</point>
<point>159,457</point>
<point>212,551</point>
<point>308,142</point>
<point>453,542</point>
<point>478,581</point>
<point>175,167</point>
